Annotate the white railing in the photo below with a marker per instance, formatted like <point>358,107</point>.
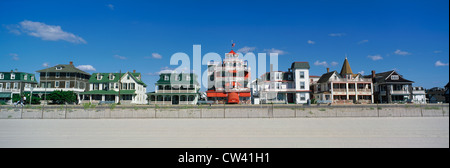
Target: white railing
<point>9,90</point>
<point>176,91</point>
<point>352,80</point>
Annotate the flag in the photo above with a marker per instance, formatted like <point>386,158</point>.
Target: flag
<point>232,45</point>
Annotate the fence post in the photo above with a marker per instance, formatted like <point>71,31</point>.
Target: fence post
<point>65,113</point>
<point>21,113</point>
<point>378,110</point>
<point>421,113</point>
<point>42,112</point>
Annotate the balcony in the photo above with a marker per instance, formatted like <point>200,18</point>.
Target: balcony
<point>352,80</point>
<point>9,90</point>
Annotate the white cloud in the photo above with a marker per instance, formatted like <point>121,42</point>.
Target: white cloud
<point>439,63</point>
<point>375,57</point>
<point>363,41</point>
<point>14,29</point>
<point>336,34</point>
<point>437,51</point>
<point>86,67</point>
<point>156,55</point>
<point>246,49</point>
<point>361,72</point>
<point>334,63</point>
<point>110,6</point>
<point>120,57</point>
<point>46,32</point>
<point>165,69</point>
<point>273,50</point>
<point>323,63</point>
<point>45,64</point>
<point>14,56</point>
<point>400,52</point>
<point>311,42</point>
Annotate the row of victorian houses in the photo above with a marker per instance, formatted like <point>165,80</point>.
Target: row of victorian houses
<point>229,82</point>
<point>66,77</point>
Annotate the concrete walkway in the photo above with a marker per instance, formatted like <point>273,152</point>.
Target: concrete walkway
<point>283,132</point>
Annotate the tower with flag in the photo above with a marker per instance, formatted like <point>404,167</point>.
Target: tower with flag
<point>229,80</point>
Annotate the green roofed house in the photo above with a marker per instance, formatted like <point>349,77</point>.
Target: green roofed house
<point>175,88</point>
<point>14,82</point>
<point>110,86</point>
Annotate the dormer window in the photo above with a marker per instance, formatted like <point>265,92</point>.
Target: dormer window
<point>111,76</point>
<point>394,77</point>
<point>2,76</point>
<point>177,78</point>
<point>32,78</point>
<point>13,76</point>
<point>188,78</point>
<point>25,77</point>
<point>58,68</point>
<point>166,78</point>
<point>99,77</point>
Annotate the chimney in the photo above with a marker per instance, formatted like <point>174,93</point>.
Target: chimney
<point>71,62</point>
<point>373,74</point>
<point>328,70</point>
<point>134,71</point>
<point>271,67</point>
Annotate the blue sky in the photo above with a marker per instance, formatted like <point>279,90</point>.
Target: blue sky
<point>410,36</point>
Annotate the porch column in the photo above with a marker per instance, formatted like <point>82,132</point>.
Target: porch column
<point>388,93</point>
<point>410,89</point>
<point>346,90</point>
<point>371,92</point>
<point>356,91</point>
<point>103,97</point>
<point>116,98</point>
<point>90,98</point>
<point>285,98</point>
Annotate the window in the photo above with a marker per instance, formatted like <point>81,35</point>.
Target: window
<point>67,84</point>
<point>32,78</point>
<point>302,75</point>
<point>1,85</point>
<point>166,77</point>
<point>302,97</point>
<point>13,76</point>
<point>56,84</point>
<point>188,78</point>
<point>116,85</point>
<point>57,74</point>
<point>111,76</point>
<point>99,77</point>
<point>16,85</point>
<point>124,86</point>
<point>131,86</point>
<point>25,77</point>
<point>8,85</point>
<point>177,78</point>
<point>2,76</point>
<point>95,86</point>
<point>289,77</point>
<point>394,77</point>
<point>302,85</point>
<point>277,85</point>
<point>67,75</point>
<point>58,68</point>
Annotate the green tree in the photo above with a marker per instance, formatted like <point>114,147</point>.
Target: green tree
<point>61,97</point>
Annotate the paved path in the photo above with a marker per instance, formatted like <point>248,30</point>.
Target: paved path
<point>295,132</point>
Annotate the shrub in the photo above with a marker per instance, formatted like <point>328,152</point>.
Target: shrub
<point>61,97</point>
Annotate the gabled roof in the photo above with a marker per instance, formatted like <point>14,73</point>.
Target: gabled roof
<point>384,77</point>
<point>105,77</point>
<point>232,52</point>
<point>326,76</point>
<point>300,65</point>
<point>64,68</point>
<point>346,68</point>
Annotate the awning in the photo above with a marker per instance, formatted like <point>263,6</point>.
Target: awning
<point>216,94</point>
<point>233,97</point>
<point>5,95</point>
<point>244,94</point>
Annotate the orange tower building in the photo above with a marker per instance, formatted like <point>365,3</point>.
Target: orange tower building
<point>228,81</point>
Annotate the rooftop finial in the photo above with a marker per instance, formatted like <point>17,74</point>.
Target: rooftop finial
<point>345,55</point>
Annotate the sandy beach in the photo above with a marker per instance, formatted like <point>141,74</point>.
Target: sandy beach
<point>283,132</point>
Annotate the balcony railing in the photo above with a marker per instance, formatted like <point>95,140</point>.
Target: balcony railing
<point>176,91</point>
<point>9,90</point>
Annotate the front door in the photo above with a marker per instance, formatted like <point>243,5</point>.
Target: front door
<point>175,99</point>
<point>290,97</point>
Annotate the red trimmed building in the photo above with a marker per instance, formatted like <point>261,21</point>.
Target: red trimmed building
<point>228,81</point>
